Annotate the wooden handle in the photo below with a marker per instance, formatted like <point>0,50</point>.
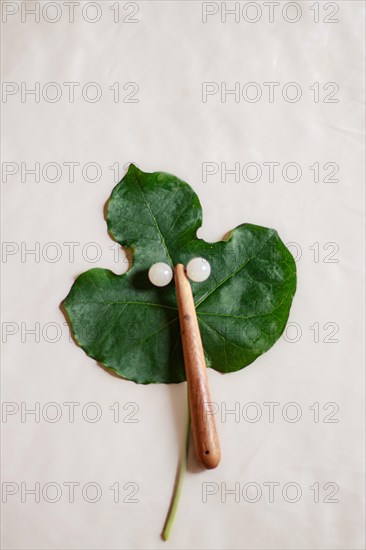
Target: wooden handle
<point>205,438</point>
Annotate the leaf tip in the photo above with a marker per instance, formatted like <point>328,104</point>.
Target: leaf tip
<point>132,168</point>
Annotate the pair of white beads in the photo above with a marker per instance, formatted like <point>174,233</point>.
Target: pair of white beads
<point>198,270</point>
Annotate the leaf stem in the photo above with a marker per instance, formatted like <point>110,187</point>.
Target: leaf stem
<point>181,470</point>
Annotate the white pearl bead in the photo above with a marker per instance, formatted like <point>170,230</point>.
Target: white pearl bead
<point>198,270</point>
<point>160,274</point>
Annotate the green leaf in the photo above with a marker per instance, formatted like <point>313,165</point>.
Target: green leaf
<point>132,327</point>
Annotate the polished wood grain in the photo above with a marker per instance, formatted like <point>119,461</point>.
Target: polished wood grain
<point>204,431</point>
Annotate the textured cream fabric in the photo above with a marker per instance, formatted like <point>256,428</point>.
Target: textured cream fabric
<point>312,375</point>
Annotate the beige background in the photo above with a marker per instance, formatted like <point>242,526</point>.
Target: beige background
<point>169,52</point>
